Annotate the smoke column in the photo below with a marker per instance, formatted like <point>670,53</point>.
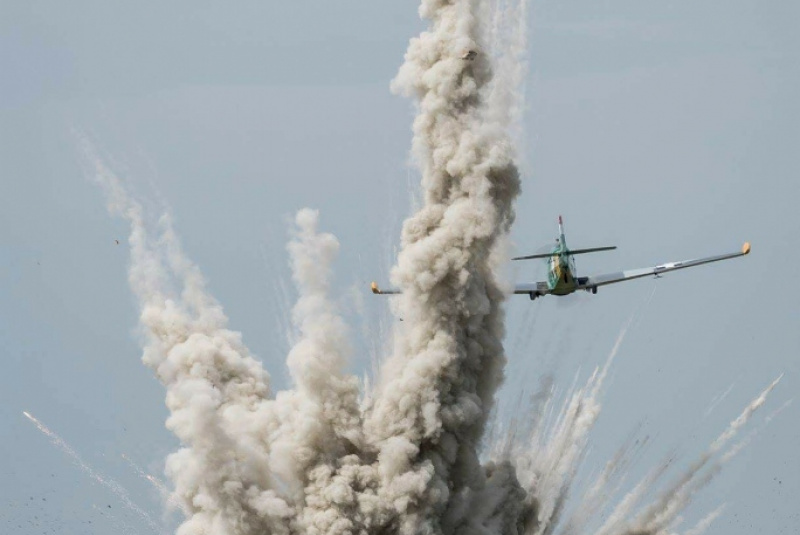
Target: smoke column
<point>437,387</point>
<point>328,456</point>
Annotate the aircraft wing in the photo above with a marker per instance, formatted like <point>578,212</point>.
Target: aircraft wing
<point>532,289</point>
<point>619,276</point>
<point>538,289</point>
<point>377,291</point>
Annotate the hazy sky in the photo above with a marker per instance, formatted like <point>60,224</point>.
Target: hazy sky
<point>670,129</point>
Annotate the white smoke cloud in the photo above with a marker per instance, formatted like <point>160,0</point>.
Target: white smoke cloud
<point>317,459</point>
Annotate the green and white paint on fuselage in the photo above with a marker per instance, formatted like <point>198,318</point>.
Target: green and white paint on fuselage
<point>563,279</point>
<point>561,272</point>
<point>561,266</point>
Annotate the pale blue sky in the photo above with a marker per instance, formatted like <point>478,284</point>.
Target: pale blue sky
<point>667,128</point>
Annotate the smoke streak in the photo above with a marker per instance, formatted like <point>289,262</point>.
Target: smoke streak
<point>117,489</point>
<point>159,485</point>
<point>659,516</point>
<point>118,525</point>
<point>548,459</point>
<point>718,399</point>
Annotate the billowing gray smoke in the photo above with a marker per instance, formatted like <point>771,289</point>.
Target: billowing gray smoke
<point>321,457</point>
<point>431,407</point>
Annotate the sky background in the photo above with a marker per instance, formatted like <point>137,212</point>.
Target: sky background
<point>670,129</point>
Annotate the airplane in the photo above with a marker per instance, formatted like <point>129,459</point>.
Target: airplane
<point>563,277</point>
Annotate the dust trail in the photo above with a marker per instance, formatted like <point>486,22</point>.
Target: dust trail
<point>734,450</point>
<point>718,399</point>
<point>660,515</point>
<point>779,410</point>
<point>118,525</point>
<point>547,462</point>
<point>605,486</point>
<point>548,459</point>
<point>281,294</point>
<point>159,485</point>
<point>117,489</point>
<point>525,331</point>
<point>507,43</point>
<point>706,521</point>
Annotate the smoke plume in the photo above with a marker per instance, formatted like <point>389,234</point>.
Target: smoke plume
<point>327,457</point>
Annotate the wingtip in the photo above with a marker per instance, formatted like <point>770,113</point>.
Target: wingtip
<point>746,248</point>
<point>374,288</point>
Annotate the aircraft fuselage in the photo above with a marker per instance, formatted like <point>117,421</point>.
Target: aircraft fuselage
<point>560,279</point>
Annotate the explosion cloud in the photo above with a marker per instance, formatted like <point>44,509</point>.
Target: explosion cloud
<point>324,457</point>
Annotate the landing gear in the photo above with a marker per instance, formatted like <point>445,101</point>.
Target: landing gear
<point>594,290</point>
<point>533,295</point>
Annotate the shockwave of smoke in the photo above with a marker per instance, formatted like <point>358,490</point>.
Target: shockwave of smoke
<point>315,458</point>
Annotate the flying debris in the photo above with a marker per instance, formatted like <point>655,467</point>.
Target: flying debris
<point>469,55</point>
<point>563,277</point>
<point>117,489</point>
<point>377,291</point>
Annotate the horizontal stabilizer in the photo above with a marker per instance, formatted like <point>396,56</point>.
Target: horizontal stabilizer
<point>568,252</point>
<point>531,257</point>
<point>592,250</point>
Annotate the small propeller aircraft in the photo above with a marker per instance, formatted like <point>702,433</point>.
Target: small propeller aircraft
<point>563,279</point>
